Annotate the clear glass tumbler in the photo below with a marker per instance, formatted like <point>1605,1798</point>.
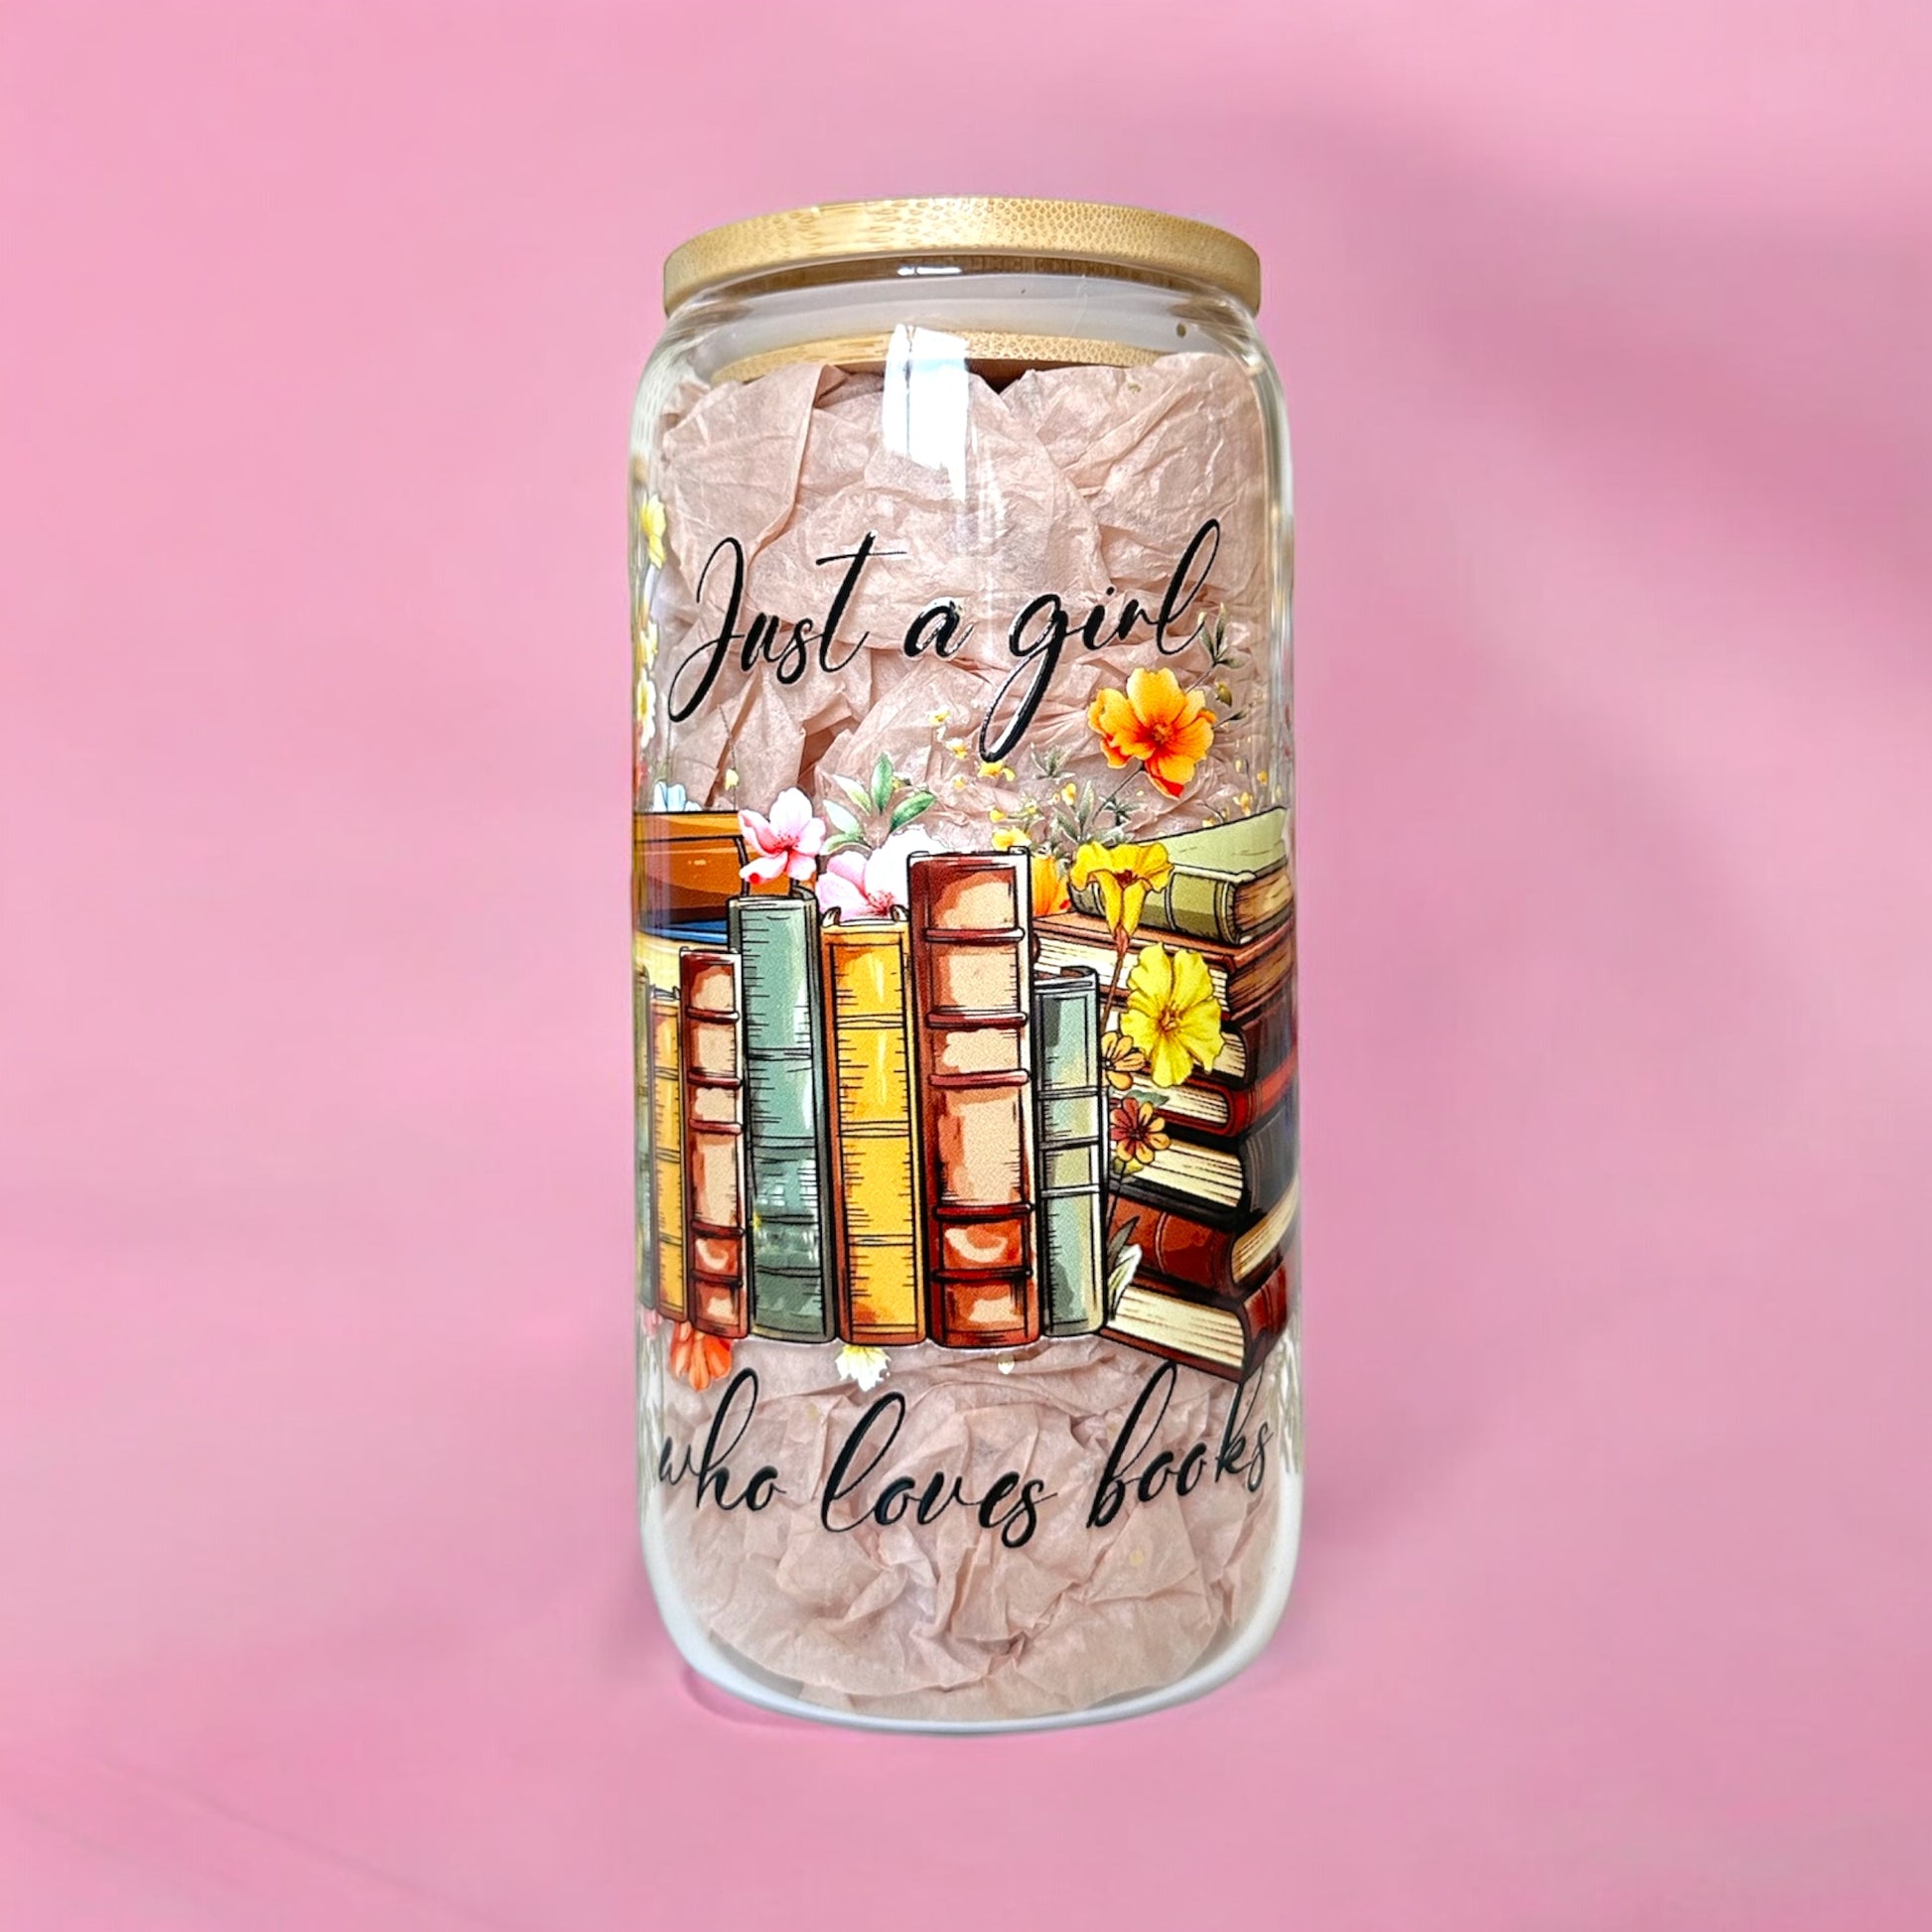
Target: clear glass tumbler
<point>963,918</point>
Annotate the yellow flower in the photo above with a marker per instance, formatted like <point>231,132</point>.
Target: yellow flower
<point>646,705</point>
<point>1049,885</point>
<point>1125,875</point>
<point>647,643</point>
<point>1006,837</point>
<point>957,747</point>
<point>650,526</point>
<point>1167,729</point>
<point>1069,793</point>
<point>1171,1014</point>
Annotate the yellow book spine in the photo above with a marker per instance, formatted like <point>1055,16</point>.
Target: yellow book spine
<point>881,1283</point>
<point>667,1156</point>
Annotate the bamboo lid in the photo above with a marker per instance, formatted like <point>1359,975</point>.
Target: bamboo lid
<point>992,228</point>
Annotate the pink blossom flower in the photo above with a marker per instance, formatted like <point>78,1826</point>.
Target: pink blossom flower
<point>786,844</point>
<point>871,885</point>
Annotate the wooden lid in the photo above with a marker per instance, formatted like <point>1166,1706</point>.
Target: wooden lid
<point>989,226</point>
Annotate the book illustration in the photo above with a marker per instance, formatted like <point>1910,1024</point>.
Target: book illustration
<point>787,1141</point>
<point>1238,1175</point>
<point>1231,882</point>
<point>1243,978</point>
<point>896,1095</point>
<point>1219,1255</point>
<point>666,1261</point>
<point>1224,1335</point>
<point>972,985</point>
<point>711,1086</point>
<point>686,867</point>
<point>879,1271</point>
<point>641,1136</point>
<point>1072,1237</point>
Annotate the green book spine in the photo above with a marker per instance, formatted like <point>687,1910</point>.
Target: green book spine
<point>1071,1141</point>
<point>785,1115</point>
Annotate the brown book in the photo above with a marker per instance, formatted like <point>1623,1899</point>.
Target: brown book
<point>1189,1249</point>
<point>712,1054</point>
<point>1212,1109</point>
<point>664,1264</point>
<point>686,868</point>
<point>1224,1335</point>
<point>1243,977</point>
<point>971,1010</point>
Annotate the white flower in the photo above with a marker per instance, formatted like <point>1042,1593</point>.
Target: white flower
<point>865,1366</point>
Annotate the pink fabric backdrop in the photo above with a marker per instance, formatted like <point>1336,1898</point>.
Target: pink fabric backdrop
<point>1605,332</point>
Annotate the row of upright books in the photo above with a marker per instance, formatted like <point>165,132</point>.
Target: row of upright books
<point>895,1131</point>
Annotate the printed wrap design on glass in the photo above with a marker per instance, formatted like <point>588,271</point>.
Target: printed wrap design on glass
<point>964,948</point>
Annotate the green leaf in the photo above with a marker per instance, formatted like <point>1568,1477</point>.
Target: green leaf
<point>856,793</point>
<point>840,818</point>
<point>842,842</point>
<point>907,809</point>
<point>882,782</point>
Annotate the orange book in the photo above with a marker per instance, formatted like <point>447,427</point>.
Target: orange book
<point>972,1035</point>
<point>711,1058</point>
<point>663,1267</point>
<point>686,868</point>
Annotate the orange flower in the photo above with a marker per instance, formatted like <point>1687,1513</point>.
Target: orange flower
<point>698,1359</point>
<point>1139,1133</point>
<point>1049,885</point>
<point>1169,730</point>
<point>1120,1061</point>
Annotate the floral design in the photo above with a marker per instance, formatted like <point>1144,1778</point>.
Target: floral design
<point>865,1366</point>
<point>1138,1135</point>
<point>871,885</point>
<point>697,1358</point>
<point>1125,874</point>
<point>785,845</point>
<point>1168,729</point>
<point>670,798</point>
<point>885,804</point>
<point>1120,1062</point>
<point>1048,885</point>
<point>1171,1014</point>
<point>650,526</point>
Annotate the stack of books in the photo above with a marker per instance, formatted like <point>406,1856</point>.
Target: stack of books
<point>893,1131</point>
<point>1215,1211</point>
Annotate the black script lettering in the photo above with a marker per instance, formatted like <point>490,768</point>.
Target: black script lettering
<point>843,1478</point>
<point>1181,590</point>
<point>1110,1493</point>
<point>943,626</point>
<point>1039,657</point>
<point>1236,1457</point>
<point>712,1468</point>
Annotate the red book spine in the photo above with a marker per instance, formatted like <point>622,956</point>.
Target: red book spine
<point>713,1081</point>
<point>972,1036</point>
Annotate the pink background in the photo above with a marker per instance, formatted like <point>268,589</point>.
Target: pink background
<point>1605,330</point>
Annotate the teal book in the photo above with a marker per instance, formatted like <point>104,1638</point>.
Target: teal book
<point>787,1136</point>
<point>1072,1143</point>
